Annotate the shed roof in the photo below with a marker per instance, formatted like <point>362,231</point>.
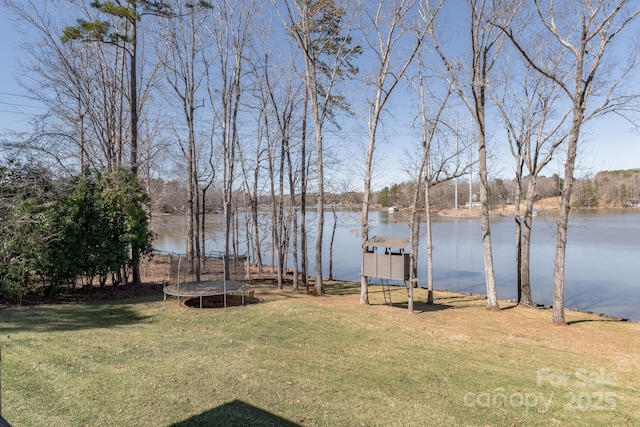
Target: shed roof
<point>387,242</point>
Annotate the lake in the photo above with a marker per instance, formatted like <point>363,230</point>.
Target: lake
<point>602,272</point>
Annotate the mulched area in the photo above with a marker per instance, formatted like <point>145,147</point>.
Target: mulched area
<point>89,294</point>
<point>153,277</point>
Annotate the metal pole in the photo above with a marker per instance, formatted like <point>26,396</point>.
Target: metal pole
<point>455,203</point>
<point>471,169</point>
<point>225,262</point>
<point>178,283</point>
<point>455,180</point>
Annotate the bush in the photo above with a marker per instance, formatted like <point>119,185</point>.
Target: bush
<point>96,228</point>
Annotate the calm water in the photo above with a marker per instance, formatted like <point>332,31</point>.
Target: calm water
<point>602,266</point>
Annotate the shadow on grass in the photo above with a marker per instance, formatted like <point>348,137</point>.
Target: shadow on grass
<point>420,305</point>
<point>341,288</point>
<point>69,317</point>
<point>330,287</point>
<point>218,301</point>
<point>423,307</point>
<point>462,297</point>
<point>462,300</point>
<point>602,319</point>
<point>235,413</point>
<point>271,284</point>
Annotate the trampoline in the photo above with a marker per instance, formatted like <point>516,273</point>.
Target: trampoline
<point>206,289</point>
<point>210,279</point>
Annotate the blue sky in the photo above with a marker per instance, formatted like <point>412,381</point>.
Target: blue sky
<point>608,143</point>
<point>15,107</point>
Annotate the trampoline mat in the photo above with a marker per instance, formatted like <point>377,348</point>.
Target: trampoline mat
<point>205,289</point>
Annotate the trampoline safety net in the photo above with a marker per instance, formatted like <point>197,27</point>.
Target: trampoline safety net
<point>208,276</point>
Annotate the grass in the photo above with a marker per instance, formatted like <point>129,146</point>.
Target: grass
<point>301,360</point>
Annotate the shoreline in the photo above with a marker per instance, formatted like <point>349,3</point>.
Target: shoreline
<point>512,301</point>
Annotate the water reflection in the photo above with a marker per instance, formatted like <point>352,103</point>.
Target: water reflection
<point>602,271</point>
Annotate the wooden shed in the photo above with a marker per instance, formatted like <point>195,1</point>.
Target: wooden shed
<point>385,258</point>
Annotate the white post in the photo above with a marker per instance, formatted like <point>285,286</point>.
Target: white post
<point>471,168</point>
<point>455,180</point>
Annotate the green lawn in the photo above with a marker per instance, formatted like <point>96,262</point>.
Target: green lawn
<point>301,360</point>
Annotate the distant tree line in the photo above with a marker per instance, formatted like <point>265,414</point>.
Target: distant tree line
<point>619,188</point>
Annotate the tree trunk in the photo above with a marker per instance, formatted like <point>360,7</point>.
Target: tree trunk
<point>190,206</point>
<point>526,298</point>
<point>317,287</point>
<point>282,233</point>
<point>415,216</point>
<point>415,230</point>
<point>196,223</point>
<point>303,195</point>
<point>364,216</point>
<point>276,226</point>
<point>253,200</point>
<point>134,128</point>
<point>203,229</point>
<point>293,218</point>
<point>427,208</point>
<point>492,293</point>
<point>333,235</point>
<point>134,99</point>
<point>557,317</point>
<point>312,88</point>
<point>517,216</point>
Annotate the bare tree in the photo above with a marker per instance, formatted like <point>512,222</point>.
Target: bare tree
<point>593,84</point>
<point>207,180</point>
<point>471,85</point>
<point>276,163</point>
<point>438,165</point>
<point>229,28</point>
<point>321,31</point>
<point>126,38</point>
<point>528,107</point>
<point>121,31</point>
<point>278,95</point>
<point>337,189</point>
<point>79,87</point>
<point>185,69</point>
<point>395,39</point>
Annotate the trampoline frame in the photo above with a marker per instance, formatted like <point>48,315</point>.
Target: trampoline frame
<point>205,289</point>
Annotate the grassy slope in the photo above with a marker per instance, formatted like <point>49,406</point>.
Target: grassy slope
<point>316,361</point>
